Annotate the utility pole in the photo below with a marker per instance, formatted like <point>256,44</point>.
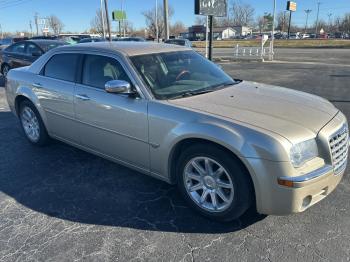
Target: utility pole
<point>123,20</point>
<point>157,29</point>
<point>31,28</point>
<point>2,33</point>
<point>273,31</point>
<point>108,22</point>
<point>36,23</point>
<point>166,19</point>
<point>329,22</point>
<point>210,54</point>
<point>318,13</point>
<point>103,20</point>
<point>307,11</point>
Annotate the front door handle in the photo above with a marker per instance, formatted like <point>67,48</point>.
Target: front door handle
<point>82,97</point>
<point>37,85</point>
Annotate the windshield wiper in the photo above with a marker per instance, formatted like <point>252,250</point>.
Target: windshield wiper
<point>192,93</point>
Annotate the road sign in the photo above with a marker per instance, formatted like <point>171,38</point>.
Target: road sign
<point>42,21</point>
<point>291,6</point>
<point>211,7</point>
<point>118,15</point>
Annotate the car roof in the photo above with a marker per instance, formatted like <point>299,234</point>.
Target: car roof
<point>128,48</point>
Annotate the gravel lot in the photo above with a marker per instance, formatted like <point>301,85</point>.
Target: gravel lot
<point>61,204</point>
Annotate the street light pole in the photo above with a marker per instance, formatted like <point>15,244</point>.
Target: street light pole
<point>108,23</point>
<point>103,20</point>
<point>307,11</point>
<point>318,12</point>
<point>166,19</point>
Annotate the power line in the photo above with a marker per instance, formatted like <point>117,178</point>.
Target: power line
<point>14,3</point>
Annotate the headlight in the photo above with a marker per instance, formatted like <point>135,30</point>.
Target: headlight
<point>302,152</point>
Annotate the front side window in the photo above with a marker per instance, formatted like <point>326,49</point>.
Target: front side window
<point>62,67</point>
<point>183,73</point>
<point>31,48</point>
<point>98,70</point>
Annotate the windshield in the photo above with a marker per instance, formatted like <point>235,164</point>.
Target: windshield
<point>178,74</point>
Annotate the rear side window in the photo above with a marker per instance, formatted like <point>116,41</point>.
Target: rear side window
<point>16,48</point>
<point>62,66</point>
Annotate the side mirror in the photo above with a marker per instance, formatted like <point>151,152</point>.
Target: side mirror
<point>118,87</point>
<point>36,54</point>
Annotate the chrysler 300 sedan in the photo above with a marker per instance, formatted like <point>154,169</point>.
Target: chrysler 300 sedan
<point>166,111</point>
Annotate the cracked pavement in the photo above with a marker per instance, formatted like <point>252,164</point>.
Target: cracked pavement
<point>59,203</point>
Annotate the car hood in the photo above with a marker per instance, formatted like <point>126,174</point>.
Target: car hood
<point>292,114</point>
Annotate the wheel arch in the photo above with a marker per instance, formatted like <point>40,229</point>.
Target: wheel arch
<point>181,145</point>
<point>25,93</point>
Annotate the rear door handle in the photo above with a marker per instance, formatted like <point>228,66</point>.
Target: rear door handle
<point>82,97</point>
<point>37,85</point>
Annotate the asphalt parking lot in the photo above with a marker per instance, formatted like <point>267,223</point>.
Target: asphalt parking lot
<point>61,204</point>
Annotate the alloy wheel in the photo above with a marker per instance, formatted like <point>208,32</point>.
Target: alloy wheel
<point>208,184</point>
<point>30,124</point>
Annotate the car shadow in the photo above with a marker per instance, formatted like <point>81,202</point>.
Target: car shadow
<point>66,183</point>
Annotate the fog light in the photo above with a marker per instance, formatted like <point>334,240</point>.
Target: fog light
<point>307,201</point>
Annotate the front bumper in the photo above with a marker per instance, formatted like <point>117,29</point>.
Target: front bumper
<point>275,199</point>
<point>281,189</point>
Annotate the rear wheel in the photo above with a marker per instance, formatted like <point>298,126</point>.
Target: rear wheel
<point>32,124</point>
<point>214,182</point>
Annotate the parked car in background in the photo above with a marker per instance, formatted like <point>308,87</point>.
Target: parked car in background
<point>130,39</point>
<point>304,36</point>
<point>5,42</point>
<point>24,53</point>
<point>168,112</point>
<point>92,40</point>
<point>294,36</point>
<point>181,42</point>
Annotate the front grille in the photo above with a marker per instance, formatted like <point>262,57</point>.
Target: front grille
<point>339,145</point>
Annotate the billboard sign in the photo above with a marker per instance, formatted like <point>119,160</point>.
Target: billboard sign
<point>211,7</point>
<point>118,15</point>
<point>291,6</point>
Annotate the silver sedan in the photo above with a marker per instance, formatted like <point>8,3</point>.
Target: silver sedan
<point>167,112</point>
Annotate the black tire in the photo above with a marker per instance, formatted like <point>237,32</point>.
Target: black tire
<point>5,69</point>
<point>43,135</point>
<point>243,196</point>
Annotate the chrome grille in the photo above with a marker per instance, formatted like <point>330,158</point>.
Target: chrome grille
<point>339,145</point>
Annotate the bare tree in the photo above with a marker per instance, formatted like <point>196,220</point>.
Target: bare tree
<point>242,14</point>
<point>177,28</point>
<point>150,17</point>
<point>282,21</point>
<point>55,24</point>
<point>345,25</point>
<point>200,20</point>
<point>97,23</point>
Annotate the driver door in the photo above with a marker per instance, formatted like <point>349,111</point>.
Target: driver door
<point>115,125</point>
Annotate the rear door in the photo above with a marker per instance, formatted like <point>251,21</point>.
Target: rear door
<point>32,53</point>
<point>54,88</point>
<point>15,54</point>
<point>115,125</point>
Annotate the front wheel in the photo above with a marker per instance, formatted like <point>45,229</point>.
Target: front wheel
<point>214,182</point>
